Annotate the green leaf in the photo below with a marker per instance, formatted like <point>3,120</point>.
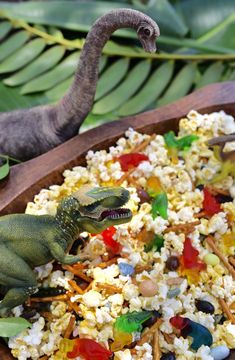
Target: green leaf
<point>159,206</point>
<point>23,56</point>
<point>80,17</point>
<point>155,245</point>
<point>53,77</point>
<point>131,322</point>
<point>111,77</point>
<point>11,99</point>
<point>203,15</point>
<point>150,91</point>
<point>43,63</point>
<point>166,16</point>
<point>5,27</point>
<point>13,326</point>
<point>63,14</point>
<point>13,43</point>
<point>212,74</point>
<point>180,86</point>
<point>59,90</point>
<point>123,92</point>
<point>4,171</point>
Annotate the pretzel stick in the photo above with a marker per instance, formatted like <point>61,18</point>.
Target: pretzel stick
<point>77,272</point>
<point>169,339</point>
<point>143,145</point>
<point>45,357</point>
<point>105,264</point>
<point>182,227</point>
<point>232,261</point>
<point>89,287</point>
<point>49,298</point>
<point>74,307</point>
<point>76,287</point>
<point>125,176</point>
<point>109,288</point>
<point>140,268</point>
<point>174,281</point>
<point>70,327</point>
<point>156,349</point>
<point>226,310</point>
<point>200,215</point>
<point>149,333</point>
<point>212,245</point>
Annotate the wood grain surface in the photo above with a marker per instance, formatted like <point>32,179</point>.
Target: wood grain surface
<point>26,180</point>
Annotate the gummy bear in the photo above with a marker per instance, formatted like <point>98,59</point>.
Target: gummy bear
<point>89,350</point>
<point>121,339</point>
<point>64,346</point>
<point>199,333</point>
<point>155,244</point>
<point>112,244</point>
<point>210,204</point>
<point>132,321</point>
<point>190,265</point>
<point>131,160</point>
<point>160,201</point>
<point>174,145</point>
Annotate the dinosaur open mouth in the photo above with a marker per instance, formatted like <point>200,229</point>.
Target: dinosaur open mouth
<point>116,214</point>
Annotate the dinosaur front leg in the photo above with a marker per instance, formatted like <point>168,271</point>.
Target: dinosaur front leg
<point>16,276</point>
<point>58,254</point>
<point>15,297</point>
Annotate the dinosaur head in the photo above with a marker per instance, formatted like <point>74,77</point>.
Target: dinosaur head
<point>147,33</point>
<point>100,207</point>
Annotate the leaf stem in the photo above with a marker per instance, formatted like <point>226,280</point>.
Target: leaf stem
<point>6,157</point>
<point>219,53</point>
<point>207,36</point>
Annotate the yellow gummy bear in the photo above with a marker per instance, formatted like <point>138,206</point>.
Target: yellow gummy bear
<point>153,186</point>
<point>121,339</point>
<point>65,346</point>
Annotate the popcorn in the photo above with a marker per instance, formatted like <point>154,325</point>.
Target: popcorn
<point>92,299</point>
<point>100,306</point>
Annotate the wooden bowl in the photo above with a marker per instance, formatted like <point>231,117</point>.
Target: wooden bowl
<point>26,179</point>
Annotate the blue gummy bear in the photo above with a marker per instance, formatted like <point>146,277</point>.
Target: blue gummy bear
<point>126,269</point>
<point>200,334</point>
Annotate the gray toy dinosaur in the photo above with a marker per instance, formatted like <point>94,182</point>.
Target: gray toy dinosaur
<point>27,241</point>
<point>27,133</point>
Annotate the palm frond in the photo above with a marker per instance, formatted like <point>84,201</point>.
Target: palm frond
<point>38,60</point>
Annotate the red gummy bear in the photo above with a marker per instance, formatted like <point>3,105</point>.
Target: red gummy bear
<point>128,161</point>
<point>112,244</point>
<point>189,259</point>
<point>179,322</point>
<point>210,203</point>
<point>89,350</point>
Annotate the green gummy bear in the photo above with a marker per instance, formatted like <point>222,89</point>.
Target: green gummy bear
<point>131,322</point>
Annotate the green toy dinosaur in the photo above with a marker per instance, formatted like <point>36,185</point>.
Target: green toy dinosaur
<point>27,241</point>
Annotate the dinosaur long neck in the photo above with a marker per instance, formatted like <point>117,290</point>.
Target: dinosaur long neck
<point>78,101</point>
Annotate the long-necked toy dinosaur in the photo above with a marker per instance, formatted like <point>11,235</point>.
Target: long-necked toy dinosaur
<point>27,133</point>
<point>27,241</point>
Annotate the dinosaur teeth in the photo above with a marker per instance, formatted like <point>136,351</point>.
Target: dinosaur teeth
<point>115,214</point>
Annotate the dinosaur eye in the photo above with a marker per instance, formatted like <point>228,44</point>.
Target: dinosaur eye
<point>147,32</point>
